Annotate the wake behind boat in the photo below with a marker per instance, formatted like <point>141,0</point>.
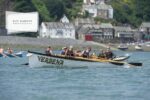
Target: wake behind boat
<point>37,59</point>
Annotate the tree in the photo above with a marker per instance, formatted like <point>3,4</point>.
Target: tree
<point>42,9</point>
<point>23,6</point>
<point>131,11</point>
<point>56,8</point>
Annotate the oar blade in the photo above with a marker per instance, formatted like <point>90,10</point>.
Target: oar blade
<point>117,63</point>
<point>135,64</point>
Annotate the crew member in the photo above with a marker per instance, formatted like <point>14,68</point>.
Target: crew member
<point>70,51</point>
<point>109,54</point>
<point>63,51</point>
<point>9,51</point>
<point>102,54</point>
<point>1,50</point>
<point>49,51</point>
<point>86,53</point>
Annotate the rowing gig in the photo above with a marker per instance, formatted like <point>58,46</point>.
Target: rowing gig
<point>37,59</point>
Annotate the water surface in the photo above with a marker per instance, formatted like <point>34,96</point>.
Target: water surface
<point>108,82</point>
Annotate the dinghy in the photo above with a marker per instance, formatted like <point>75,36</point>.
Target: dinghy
<point>138,48</point>
<point>37,59</point>
<point>123,47</point>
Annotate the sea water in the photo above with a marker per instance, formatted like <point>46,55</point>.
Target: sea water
<point>107,82</point>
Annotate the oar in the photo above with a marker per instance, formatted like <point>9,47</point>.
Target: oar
<point>25,64</point>
<point>116,63</point>
<point>135,64</point>
<point>3,54</point>
<point>125,63</point>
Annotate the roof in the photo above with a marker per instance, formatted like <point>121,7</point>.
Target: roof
<point>84,29</point>
<point>145,24</point>
<point>106,25</point>
<point>64,19</point>
<point>58,25</point>
<point>85,20</point>
<point>104,6</point>
<point>122,28</point>
<point>96,27</point>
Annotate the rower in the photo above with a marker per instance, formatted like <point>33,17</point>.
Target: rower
<point>70,51</point>
<point>86,53</point>
<point>1,50</point>
<point>49,51</point>
<point>109,54</point>
<point>9,51</point>
<point>102,54</point>
<point>63,51</point>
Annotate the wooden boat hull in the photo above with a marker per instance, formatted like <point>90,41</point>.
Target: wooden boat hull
<point>42,60</point>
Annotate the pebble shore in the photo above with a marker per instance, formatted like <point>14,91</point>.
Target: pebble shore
<point>27,43</point>
<point>33,43</point>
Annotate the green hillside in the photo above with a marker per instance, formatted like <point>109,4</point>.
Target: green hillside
<point>131,11</point>
<point>50,10</point>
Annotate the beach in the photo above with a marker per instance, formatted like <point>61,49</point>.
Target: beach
<point>28,43</point>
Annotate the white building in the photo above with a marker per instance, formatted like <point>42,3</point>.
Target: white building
<point>57,30</point>
<point>90,2</point>
<point>64,19</point>
<point>101,10</point>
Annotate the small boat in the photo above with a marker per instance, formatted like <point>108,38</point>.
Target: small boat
<point>138,48</point>
<point>37,59</point>
<point>123,47</point>
<point>5,54</point>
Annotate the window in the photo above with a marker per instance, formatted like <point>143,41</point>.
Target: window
<point>59,33</point>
